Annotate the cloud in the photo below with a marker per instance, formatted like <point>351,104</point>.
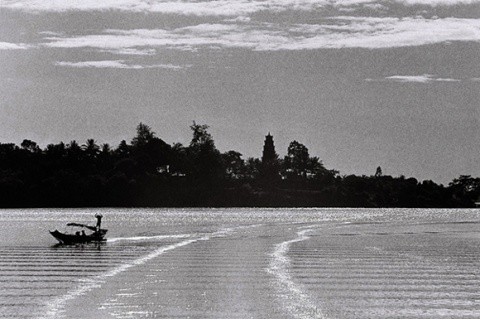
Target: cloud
<point>198,8</point>
<point>14,46</point>
<point>116,64</point>
<point>210,8</point>
<point>395,32</point>
<point>131,51</point>
<point>435,3</point>
<point>240,19</point>
<point>425,78</point>
<point>51,33</point>
<point>334,33</point>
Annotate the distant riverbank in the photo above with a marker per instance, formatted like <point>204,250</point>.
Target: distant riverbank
<point>151,173</point>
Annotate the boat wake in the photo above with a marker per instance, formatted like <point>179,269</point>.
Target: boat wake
<point>148,238</point>
<point>56,308</point>
<point>297,302</point>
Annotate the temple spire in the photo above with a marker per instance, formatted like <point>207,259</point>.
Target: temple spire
<point>269,154</point>
<point>269,169</point>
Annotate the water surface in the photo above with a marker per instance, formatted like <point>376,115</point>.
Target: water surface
<point>243,263</point>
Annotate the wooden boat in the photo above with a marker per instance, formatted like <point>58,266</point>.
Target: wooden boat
<point>79,238</point>
<point>98,234</point>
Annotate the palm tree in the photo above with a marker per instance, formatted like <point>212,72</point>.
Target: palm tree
<point>91,149</point>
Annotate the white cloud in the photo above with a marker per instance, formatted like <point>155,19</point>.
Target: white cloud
<point>199,8</point>
<point>424,78</point>
<point>168,66</point>
<point>411,78</point>
<point>240,19</point>
<point>394,32</point>
<point>51,33</point>
<point>117,64</point>
<point>207,7</point>
<point>14,46</point>
<point>446,80</point>
<point>339,32</point>
<point>438,2</point>
<point>131,51</point>
<point>240,30</point>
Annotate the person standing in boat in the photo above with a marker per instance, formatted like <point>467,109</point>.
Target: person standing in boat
<point>99,222</point>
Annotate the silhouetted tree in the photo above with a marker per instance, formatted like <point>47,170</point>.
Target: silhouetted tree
<point>378,172</point>
<point>144,135</point>
<point>206,160</point>
<point>56,151</point>
<point>233,163</point>
<point>466,190</point>
<point>251,169</point>
<point>91,149</point>
<point>297,159</point>
<point>155,155</point>
<point>74,150</point>
<point>300,167</point>
<point>179,164</point>
<point>150,172</point>
<point>30,146</point>
<point>123,149</point>
<point>105,157</point>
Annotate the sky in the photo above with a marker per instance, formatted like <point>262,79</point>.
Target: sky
<point>361,83</point>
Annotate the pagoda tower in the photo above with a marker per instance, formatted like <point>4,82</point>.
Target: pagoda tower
<point>269,154</point>
<point>269,170</point>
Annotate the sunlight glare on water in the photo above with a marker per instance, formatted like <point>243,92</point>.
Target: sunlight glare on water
<point>243,263</point>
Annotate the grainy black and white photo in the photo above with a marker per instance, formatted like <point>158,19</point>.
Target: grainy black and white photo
<point>214,159</point>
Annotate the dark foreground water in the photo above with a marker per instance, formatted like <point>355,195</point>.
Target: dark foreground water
<point>243,263</point>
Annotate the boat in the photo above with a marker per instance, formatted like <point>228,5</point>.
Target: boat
<point>77,238</point>
<point>80,237</point>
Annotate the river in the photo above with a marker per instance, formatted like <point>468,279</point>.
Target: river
<point>243,263</point>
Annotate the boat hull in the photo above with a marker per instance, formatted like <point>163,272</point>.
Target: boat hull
<point>69,239</point>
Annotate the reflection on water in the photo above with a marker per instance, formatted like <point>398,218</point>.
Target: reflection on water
<point>243,263</point>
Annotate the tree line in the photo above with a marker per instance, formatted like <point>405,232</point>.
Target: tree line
<point>149,172</point>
